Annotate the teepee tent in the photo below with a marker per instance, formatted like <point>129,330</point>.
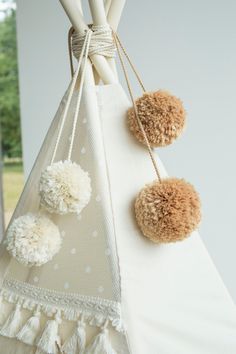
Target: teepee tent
<point>108,289</point>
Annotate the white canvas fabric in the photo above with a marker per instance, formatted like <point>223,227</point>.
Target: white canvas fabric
<point>173,299</point>
<point>169,298</point>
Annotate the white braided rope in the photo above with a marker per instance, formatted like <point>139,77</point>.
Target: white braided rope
<point>76,115</point>
<point>84,50</point>
<point>101,43</point>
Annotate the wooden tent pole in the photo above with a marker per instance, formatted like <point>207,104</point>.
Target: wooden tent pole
<point>114,13</point>
<point>72,9</point>
<point>113,9</point>
<point>98,13</point>
<point>107,4</point>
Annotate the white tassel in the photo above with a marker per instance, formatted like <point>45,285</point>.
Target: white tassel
<point>49,340</point>
<point>11,326</point>
<point>2,310</point>
<point>39,351</point>
<point>101,343</point>
<point>30,330</point>
<point>76,343</point>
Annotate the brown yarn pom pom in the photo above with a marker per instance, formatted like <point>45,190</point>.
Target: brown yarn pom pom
<point>162,116</point>
<point>168,211</point>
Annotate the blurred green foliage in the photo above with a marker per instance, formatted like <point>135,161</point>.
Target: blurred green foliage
<point>9,89</point>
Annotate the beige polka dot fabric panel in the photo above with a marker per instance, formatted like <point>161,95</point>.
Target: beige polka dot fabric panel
<point>87,262</point>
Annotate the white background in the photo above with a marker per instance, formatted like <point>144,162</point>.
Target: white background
<point>185,46</point>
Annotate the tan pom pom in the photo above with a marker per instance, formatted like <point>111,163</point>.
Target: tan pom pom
<point>162,116</point>
<point>168,211</point>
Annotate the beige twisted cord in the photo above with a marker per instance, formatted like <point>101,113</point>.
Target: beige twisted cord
<point>129,61</point>
<point>70,33</point>
<point>118,46</point>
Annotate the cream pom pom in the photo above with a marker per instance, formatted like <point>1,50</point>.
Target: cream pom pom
<point>162,116</point>
<point>64,188</point>
<point>33,239</point>
<point>168,211</point>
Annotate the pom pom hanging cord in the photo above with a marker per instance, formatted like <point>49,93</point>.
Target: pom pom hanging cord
<point>83,54</point>
<point>87,43</point>
<point>118,46</point>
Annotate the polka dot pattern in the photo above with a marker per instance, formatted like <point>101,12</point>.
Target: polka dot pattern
<point>95,233</point>
<point>66,285</point>
<point>108,252</point>
<point>88,269</point>
<point>55,266</point>
<point>98,198</point>
<point>100,289</point>
<point>36,279</point>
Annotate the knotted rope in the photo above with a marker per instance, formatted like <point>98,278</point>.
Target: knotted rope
<point>101,42</point>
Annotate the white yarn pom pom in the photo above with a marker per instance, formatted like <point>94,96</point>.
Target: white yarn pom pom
<point>33,239</point>
<point>64,188</point>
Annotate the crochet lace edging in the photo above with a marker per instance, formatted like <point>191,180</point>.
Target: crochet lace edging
<point>57,306</point>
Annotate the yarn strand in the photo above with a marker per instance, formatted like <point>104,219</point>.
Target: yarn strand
<point>70,33</point>
<point>71,91</point>
<point>76,115</point>
<point>118,46</point>
<point>130,62</point>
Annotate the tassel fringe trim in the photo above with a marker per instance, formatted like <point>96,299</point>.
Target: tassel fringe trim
<point>101,343</point>
<point>95,310</point>
<point>77,342</point>
<point>47,339</point>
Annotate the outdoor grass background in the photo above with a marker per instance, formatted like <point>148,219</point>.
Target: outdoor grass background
<point>13,181</point>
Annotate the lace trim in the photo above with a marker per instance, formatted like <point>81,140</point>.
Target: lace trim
<point>94,309</point>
